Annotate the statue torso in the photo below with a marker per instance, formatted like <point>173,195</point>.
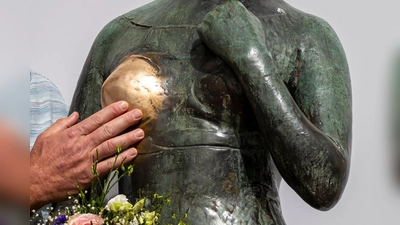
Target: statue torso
<point>202,144</point>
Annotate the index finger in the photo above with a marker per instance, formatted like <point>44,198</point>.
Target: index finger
<point>101,117</point>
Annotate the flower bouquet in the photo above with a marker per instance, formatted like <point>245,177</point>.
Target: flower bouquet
<point>117,211</point>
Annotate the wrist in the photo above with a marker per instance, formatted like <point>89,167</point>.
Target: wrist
<point>255,62</point>
<point>34,191</point>
<point>37,195</point>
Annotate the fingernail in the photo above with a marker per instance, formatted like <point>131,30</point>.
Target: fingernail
<point>133,152</point>
<point>138,133</point>
<point>137,114</point>
<point>123,105</point>
<point>72,114</point>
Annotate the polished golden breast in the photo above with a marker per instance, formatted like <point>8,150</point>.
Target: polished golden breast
<point>135,81</point>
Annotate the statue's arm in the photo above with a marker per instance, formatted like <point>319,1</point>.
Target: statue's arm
<point>309,133</point>
<point>323,96</point>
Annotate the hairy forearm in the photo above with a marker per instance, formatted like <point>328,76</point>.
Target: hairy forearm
<point>36,189</point>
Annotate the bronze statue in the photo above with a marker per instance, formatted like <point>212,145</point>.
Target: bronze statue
<point>235,95</point>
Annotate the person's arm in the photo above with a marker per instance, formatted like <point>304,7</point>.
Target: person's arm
<point>64,153</point>
<point>14,161</point>
<point>308,134</point>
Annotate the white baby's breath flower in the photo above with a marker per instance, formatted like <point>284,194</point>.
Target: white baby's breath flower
<point>122,220</point>
<point>134,222</point>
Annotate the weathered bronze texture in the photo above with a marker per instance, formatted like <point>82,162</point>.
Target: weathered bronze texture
<point>235,96</point>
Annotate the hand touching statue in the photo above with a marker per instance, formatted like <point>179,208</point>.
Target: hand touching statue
<point>64,153</point>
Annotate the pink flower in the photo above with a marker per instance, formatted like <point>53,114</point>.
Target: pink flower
<point>85,219</point>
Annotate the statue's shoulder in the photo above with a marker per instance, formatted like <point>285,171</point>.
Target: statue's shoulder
<point>111,30</point>
<point>126,21</point>
<point>314,27</point>
<point>313,32</point>
<point>146,15</point>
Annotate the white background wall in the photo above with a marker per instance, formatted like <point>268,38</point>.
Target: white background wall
<point>14,90</point>
<point>14,64</point>
<point>63,32</point>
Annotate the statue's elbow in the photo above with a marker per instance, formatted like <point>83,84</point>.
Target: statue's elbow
<point>328,192</point>
<point>325,202</point>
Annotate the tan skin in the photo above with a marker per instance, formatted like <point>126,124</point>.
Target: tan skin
<point>63,154</point>
<point>13,166</point>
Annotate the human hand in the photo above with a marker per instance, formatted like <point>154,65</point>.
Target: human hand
<point>233,33</point>
<point>64,153</point>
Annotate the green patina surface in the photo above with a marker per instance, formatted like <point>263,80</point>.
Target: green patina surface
<point>249,91</point>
